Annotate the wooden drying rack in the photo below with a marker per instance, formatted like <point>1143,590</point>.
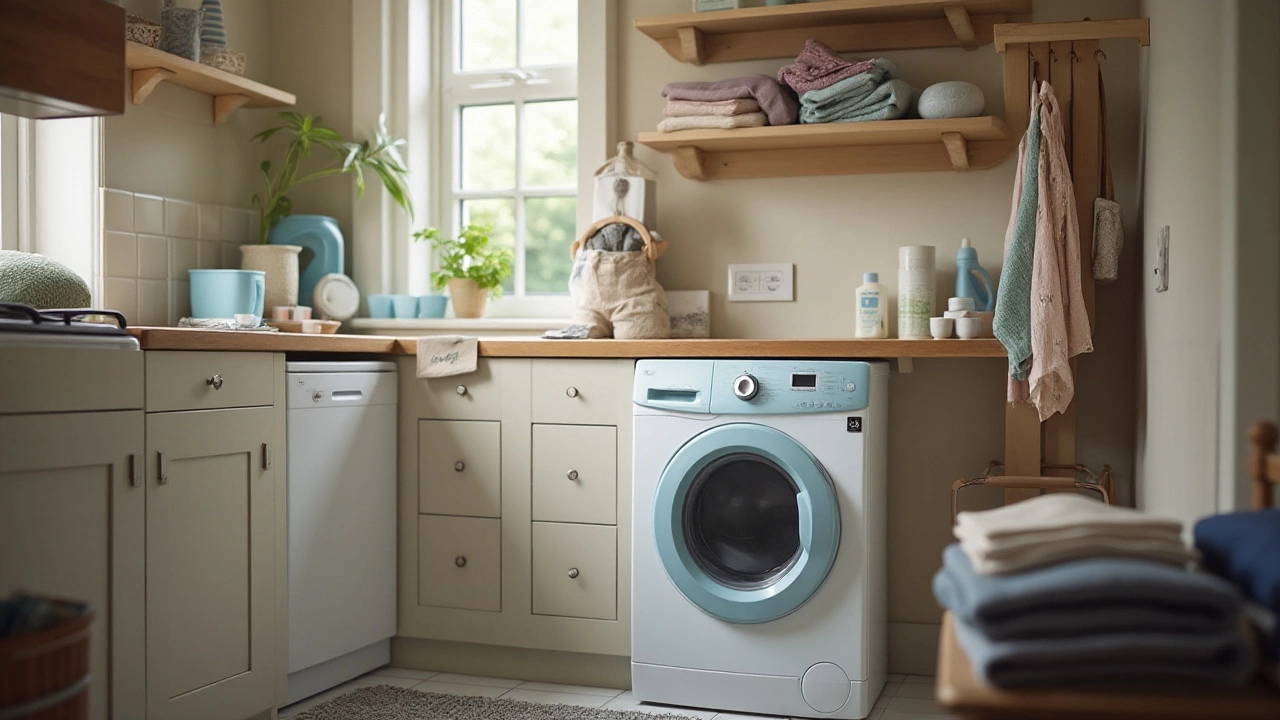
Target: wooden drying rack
<point>1066,54</point>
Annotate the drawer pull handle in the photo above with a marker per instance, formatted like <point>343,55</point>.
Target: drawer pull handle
<point>461,389</point>
<point>460,561</point>
<point>215,381</point>
<point>571,391</point>
<point>573,573</point>
<point>572,475</point>
<point>459,466</point>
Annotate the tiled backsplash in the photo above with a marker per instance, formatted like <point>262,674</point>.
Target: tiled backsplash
<point>149,243</point>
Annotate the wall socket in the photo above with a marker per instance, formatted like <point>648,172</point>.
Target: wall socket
<point>762,283</point>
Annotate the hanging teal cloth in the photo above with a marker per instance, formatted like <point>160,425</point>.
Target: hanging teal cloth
<point>1013,301</point>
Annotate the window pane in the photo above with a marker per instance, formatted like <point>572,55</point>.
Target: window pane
<point>549,230</point>
<point>550,32</point>
<point>488,34</point>
<point>500,214</point>
<point>488,147</point>
<point>550,145</point>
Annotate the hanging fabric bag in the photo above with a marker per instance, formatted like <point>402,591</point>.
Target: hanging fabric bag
<point>1108,233</point>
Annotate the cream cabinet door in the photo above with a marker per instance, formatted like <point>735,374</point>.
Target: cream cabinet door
<point>72,525</point>
<point>575,570</point>
<point>210,564</point>
<point>583,392</point>
<point>460,562</point>
<point>575,473</point>
<point>460,467</point>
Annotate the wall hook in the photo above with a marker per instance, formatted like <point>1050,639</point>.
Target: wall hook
<point>1098,52</point>
<point>1074,57</point>
<point>1053,57</point>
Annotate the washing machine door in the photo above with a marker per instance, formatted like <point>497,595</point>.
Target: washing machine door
<point>746,522</point>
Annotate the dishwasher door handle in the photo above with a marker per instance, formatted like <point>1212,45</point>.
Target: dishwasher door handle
<point>346,395</point>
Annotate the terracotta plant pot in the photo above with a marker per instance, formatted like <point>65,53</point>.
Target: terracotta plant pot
<point>468,299</point>
<point>280,263</point>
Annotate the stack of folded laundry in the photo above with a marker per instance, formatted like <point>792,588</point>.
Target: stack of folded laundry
<point>833,89</point>
<point>749,101</point>
<point>1064,590</point>
<point>1244,547</point>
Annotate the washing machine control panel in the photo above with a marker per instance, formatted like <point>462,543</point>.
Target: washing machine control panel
<point>788,386</point>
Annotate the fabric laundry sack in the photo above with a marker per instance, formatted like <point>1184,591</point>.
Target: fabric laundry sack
<point>615,293</point>
<point>1108,233</point>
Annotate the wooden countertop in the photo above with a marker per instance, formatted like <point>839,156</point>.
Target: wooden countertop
<point>194,339</point>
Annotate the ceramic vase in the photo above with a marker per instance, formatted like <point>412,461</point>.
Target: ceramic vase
<point>468,299</point>
<point>280,263</point>
<point>180,31</point>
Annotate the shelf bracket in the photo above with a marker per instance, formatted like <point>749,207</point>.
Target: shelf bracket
<point>693,45</point>
<point>691,162</point>
<point>962,26</point>
<point>225,105</point>
<point>145,80</point>
<point>906,365</point>
<point>958,149</point>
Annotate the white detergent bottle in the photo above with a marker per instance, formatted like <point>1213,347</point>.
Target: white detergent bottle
<point>871,308</point>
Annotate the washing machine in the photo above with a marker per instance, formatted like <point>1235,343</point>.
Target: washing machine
<point>758,554</point>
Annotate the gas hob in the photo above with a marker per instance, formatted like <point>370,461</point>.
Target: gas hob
<point>25,326</point>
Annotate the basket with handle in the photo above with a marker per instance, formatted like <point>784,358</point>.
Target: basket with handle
<point>44,675</point>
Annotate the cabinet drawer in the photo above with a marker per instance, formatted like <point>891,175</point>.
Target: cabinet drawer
<point>460,562</point>
<point>474,396</point>
<point>575,570</point>
<point>208,380</point>
<point>579,391</point>
<point>575,473</point>
<point>460,467</point>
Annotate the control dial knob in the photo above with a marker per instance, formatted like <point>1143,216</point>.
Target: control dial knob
<point>746,386</point>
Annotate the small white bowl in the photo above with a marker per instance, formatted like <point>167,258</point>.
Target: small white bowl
<point>940,327</point>
<point>956,314</point>
<point>248,320</point>
<point>961,303</point>
<point>969,328</point>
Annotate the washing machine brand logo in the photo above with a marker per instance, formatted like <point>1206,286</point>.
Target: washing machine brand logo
<point>853,424</point>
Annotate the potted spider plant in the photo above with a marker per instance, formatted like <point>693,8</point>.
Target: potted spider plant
<point>278,227</point>
<point>472,270</point>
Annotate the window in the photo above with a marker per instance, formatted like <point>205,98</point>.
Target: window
<point>509,130</point>
<point>9,170</point>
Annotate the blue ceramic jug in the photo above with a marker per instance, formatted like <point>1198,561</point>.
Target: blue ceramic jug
<point>972,280</point>
<point>318,234</point>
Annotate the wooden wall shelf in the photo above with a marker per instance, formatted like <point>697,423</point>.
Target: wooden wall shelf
<point>148,67</point>
<point>846,25</point>
<point>836,148</point>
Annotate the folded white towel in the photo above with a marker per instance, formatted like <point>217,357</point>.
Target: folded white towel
<point>686,108</point>
<point>1060,510</point>
<point>1052,554</point>
<point>712,122</point>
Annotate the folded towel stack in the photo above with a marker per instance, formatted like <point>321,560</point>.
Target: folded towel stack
<point>749,101</point>
<point>1063,590</point>
<point>1243,548</point>
<point>833,89</point>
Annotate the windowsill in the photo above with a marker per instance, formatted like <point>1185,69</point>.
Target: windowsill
<point>443,326</point>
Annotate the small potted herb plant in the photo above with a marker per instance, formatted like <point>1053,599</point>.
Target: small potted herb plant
<point>471,269</point>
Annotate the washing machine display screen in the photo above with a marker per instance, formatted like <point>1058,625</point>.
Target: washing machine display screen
<point>741,521</point>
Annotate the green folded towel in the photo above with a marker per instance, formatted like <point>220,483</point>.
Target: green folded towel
<point>855,87</point>
<point>888,101</point>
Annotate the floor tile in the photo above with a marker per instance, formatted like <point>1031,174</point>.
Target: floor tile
<point>876,714</point>
<point>476,680</point>
<point>882,701</point>
<point>746,716</point>
<point>895,678</point>
<point>892,714</point>
<point>916,705</point>
<point>556,698</point>
<point>891,690</point>
<point>389,671</point>
<point>450,688</point>
<point>580,689</point>
<point>627,701</point>
<point>915,690</point>
<point>919,679</point>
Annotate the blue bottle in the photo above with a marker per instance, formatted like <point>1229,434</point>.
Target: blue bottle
<point>322,249</point>
<point>972,280</point>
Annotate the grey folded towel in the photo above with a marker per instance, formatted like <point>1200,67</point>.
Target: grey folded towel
<point>1198,659</point>
<point>1086,597</point>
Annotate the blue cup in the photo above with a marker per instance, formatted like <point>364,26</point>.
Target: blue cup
<point>379,306</point>
<point>227,293</point>
<point>404,306</point>
<point>432,306</point>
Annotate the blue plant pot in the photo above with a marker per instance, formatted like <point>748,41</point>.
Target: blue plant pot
<point>432,306</point>
<point>379,306</point>
<point>322,249</point>
<point>404,306</point>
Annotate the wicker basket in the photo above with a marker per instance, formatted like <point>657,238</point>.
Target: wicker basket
<point>141,30</point>
<point>222,58</point>
<point>45,675</point>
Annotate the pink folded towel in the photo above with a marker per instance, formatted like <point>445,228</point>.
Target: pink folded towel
<point>711,122</point>
<point>687,108</point>
<point>777,101</point>
<point>818,66</point>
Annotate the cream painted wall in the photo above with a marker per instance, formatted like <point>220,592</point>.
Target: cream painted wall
<point>946,418</point>
<point>168,146</point>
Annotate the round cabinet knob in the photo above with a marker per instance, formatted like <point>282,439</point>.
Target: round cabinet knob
<point>571,391</point>
<point>572,475</point>
<point>573,573</point>
<point>461,390</point>
<point>459,466</point>
<point>460,561</point>
<point>215,381</point>
<point>746,386</point>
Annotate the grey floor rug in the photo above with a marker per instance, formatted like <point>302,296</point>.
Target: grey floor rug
<point>384,702</point>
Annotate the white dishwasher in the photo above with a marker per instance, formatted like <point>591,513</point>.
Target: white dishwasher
<point>342,521</point>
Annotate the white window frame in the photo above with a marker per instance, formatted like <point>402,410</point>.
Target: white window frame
<point>15,217</point>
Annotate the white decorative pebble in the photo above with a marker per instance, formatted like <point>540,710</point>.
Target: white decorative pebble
<point>953,99</point>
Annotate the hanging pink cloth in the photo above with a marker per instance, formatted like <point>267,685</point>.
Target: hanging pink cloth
<point>1059,321</point>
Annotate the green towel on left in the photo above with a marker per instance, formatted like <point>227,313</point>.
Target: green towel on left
<point>888,101</point>
<point>1013,300</point>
